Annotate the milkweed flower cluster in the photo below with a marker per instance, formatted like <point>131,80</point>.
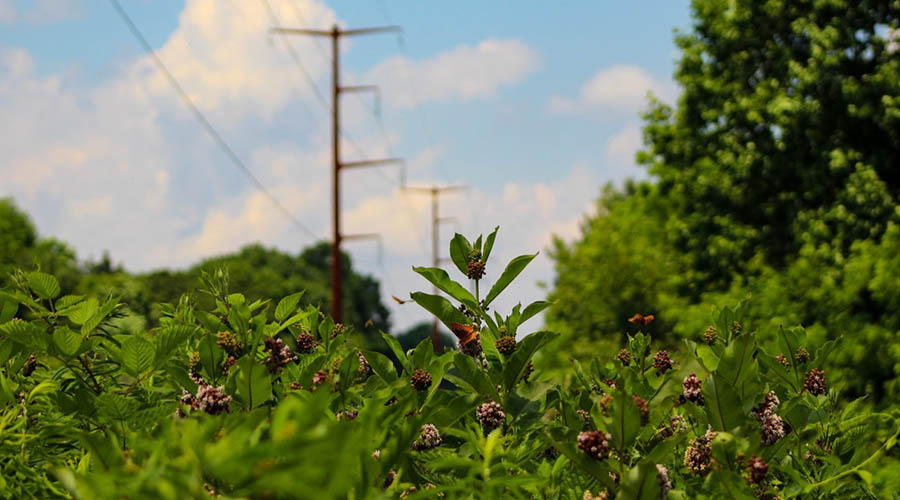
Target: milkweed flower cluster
<point>595,444</point>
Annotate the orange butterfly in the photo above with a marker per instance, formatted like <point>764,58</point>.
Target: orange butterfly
<point>465,333</point>
<point>640,319</point>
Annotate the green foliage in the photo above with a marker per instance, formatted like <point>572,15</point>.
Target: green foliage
<point>221,401</point>
<point>774,176</point>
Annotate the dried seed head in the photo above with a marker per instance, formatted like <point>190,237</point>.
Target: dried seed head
<point>693,389</point>
<point>767,407</point>
<point>736,328</point>
<point>306,343</point>
<point>662,476</point>
<point>710,335</point>
<point>697,455</point>
<point>585,417</point>
<point>802,355</point>
<point>529,369</point>
<point>194,363</point>
<point>29,366</point>
<point>475,269</point>
<point>783,360</point>
<point>624,357</point>
<point>420,380</point>
<point>280,355</point>
<point>229,343</point>
<point>662,362</point>
<point>757,469</point>
<point>605,404</point>
<point>814,382</point>
<point>772,429</point>
<point>506,344</point>
<point>429,438</point>
<point>490,415</point>
<point>643,408</point>
<point>594,444</point>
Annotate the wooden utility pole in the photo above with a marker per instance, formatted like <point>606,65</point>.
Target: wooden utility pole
<point>435,242</point>
<point>336,90</point>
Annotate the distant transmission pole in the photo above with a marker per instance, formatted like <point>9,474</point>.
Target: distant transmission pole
<point>336,89</point>
<point>435,241</point>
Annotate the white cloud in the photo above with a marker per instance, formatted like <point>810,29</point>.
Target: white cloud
<point>463,73</point>
<point>617,90</point>
<point>7,12</point>
<point>620,154</point>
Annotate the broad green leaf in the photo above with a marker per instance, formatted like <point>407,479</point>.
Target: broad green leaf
<point>707,357</point>
<point>422,354</point>
<point>253,383</point>
<point>640,483</point>
<point>287,305</point>
<point>533,309</point>
<point>116,406</point>
<point>293,320</point>
<point>737,359</point>
<point>8,309</point>
<point>439,278</point>
<point>825,350</point>
<point>722,404</point>
<point>26,333</point>
<point>626,419</point>
<point>68,301</point>
<point>105,309</point>
<point>459,252</point>
<point>394,344</point>
<point>474,376</point>
<point>515,266</point>
<point>66,341</point>
<point>137,355</point>
<point>440,307</point>
<point>525,349</point>
<point>489,244</point>
<point>169,338</point>
<point>43,285</point>
<point>381,365</point>
<point>84,311</point>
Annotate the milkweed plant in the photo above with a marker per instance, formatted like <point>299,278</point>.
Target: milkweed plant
<point>266,399</point>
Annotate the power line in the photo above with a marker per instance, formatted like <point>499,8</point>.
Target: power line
<point>205,123</point>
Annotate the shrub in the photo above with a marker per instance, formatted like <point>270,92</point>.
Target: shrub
<point>224,402</point>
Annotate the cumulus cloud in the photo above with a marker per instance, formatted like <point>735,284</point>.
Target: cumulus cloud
<point>617,90</point>
<point>620,153</point>
<point>463,73</point>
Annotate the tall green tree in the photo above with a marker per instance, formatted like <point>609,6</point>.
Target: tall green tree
<point>775,175</point>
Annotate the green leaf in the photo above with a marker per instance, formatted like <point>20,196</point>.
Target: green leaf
<point>722,404</point>
<point>254,385</point>
<point>533,309</point>
<point>66,340</point>
<point>489,244</point>
<point>43,284</point>
<point>459,252</point>
<point>381,365</point>
<point>8,309</point>
<point>109,306</point>
<point>137,355</point>
<point>84,311</point>
<point>737,359</point>
<point>116,406</point>
<point>394,344</point>
<point>440,307</point>
<point>287,305</point>
<point>525,349</point>
<point>626,419</point>
<point>707,357</point>
<point>439,278</point>
<point>68,301</point>
<point>640,483</point>
<point>423,354</point>
<point>25,333</point>
<point>515,266</point>
<point>474,376</point>
<point>169,338</point>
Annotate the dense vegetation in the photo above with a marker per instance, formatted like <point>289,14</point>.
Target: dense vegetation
<point>258,399</point>
<point>775,176</point>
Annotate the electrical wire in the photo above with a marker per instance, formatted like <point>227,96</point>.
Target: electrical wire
<point>205,123</point>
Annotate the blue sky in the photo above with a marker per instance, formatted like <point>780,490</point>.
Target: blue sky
<point>534,106</point>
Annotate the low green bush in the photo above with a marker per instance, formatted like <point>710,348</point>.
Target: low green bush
<point>273,400</point>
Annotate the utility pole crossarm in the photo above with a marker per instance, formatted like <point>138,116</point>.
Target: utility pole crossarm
<point>335,35</point>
